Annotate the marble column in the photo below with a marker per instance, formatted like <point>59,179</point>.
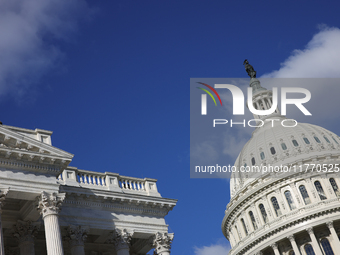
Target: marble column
<point>49,206</point>
<point>315,243</point>
<point>162,243</point>
<point>275,248</point>
<point>294,245</point>
<point>334,235</point>
<point>2,199</point>
<point>121,239</point>
<point>76,236</point>
<point>24,232</point>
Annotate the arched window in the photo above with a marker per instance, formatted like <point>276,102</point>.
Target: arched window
<point>291,252</point>
<point>276,206</point>
<point>326,247</point>
<point>284,147</point>
<point>272,150</point>
<point>304,194</point>
<point>309,249</point>
<point>320,191</point>
<point>252,218</point>
<point>253,161</point>
<point>244,226</point>
<point>290,200</point>
<point>262,155</point>
<point>334,186</point>
<point>264,213</point>
<point>295,143</point>
<point>317,139</point>
<point>326,139</point>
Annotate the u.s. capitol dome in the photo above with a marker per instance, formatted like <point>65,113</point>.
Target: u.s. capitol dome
<point>295,209</point>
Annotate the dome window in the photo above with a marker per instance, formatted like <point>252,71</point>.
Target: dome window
<point>295,143</point>
<point>251,215</point>
<point>290,200</point>
<point>264,213</point>
<point>244,227</point>
<point>317,139</point>
<point>272,150</point>
<point>326,139</point>
<point>253,161</point>
<point>334,186</point>
<point>284,147</point>
<point>320,191</point>
<point>304,194</point>
<point>276,206</point>
<point>262,155</point>
<point>335,140</point>
<point>306,140</point>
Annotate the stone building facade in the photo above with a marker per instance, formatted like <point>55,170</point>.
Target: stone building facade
<point>48,207</point>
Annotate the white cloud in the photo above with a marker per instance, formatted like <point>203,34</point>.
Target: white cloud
<point>204,151</point>
<point>29,33</point>
<point>319,59</point>
<point>214,249</point>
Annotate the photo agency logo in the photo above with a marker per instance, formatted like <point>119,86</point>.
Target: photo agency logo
<point>226,112</point>
<point>262,103</point>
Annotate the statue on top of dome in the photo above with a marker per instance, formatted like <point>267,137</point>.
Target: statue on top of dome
<point>250,69</point>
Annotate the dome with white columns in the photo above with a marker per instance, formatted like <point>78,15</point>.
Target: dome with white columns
<point>285,213</point>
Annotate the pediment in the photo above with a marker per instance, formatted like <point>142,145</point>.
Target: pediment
<point>20,147</point>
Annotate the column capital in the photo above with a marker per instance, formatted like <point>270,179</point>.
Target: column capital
<point>121,238</point>
<point>162,242</point>
<point>3,194</point>
<point>50,203</point>
<point>291,238</point>
<point>274,246</point>
<point>76,235</point>
<point>25,231</point>
<point>310,231</point>
<point>330,224</point>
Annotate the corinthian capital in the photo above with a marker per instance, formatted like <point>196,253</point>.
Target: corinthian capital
<point>3,195</point>
<point>330,224</point>
<point>162,242</point>
<point>26,230</point>
<point>310,231</point>
<point>76,235</point>
<point>50,203</point>
<point>274,246</point>
<point>291,238</point>
<point>121,238</point>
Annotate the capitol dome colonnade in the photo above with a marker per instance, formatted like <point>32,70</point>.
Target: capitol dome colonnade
<point>288,213</point>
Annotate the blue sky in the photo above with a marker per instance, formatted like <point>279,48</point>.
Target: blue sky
<point>111,79</point>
